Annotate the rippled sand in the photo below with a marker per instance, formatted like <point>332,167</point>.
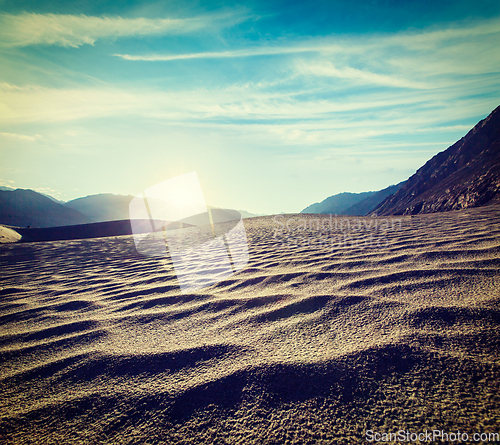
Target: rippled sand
<point>381,324</point>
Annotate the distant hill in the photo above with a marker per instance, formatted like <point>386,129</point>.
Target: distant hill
<point>467,174</point>
<point>110,207</point>
<point>24,208</point>
<point>4,189</point>
<point>103,207</point>
<point>28,208</point>
<point>336,204</point>
<point>244,214</point>
<point>367,205</point>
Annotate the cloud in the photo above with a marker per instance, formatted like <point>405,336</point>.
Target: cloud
<point>250,52</point>
<point>432,38</point>
<point>250,110</point>
<point>48,191</point>
<point>329,70</point>
<point>41,104</point>
<point>420,59</point>
<point>76,30</point>
<point>20,137</point>
<point>351,91</point>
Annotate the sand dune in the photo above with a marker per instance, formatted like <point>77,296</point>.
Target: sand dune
<point>381,324</point>
<point>92,230</point>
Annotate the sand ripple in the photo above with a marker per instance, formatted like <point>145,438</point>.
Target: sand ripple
<point>328,331</point>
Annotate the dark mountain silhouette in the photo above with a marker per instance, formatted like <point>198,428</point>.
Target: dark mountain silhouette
<point>243,213</point>
<point>467,174</point>
<point>5,188</point>
<point>109,207</point>
<point>337,203</point>
<point>367,205</point>
<point>103,207</point>
<point>28,208</point>
<point>22,208</point>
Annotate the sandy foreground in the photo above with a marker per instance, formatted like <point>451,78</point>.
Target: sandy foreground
<point>370,324</point>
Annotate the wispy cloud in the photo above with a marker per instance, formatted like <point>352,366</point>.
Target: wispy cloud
<point>327,69</point>
<point>250,52</point>
<point>76,30</point>
<point>49,191</point>
<point>402,60</point>
<point>256,110</point>
<point>20,137</point>
<point>435,37</point>
<point>42,104</point>
<point>342,92</point>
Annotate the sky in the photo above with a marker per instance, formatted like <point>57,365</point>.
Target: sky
<point>275,104</point>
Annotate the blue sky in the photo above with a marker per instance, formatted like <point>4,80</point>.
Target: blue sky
<point>275,105</point>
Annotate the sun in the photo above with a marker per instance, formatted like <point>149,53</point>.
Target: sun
<point>176,198</point>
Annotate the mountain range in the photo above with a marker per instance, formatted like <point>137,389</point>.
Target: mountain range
<point>337,203</point>
<point>467,174</point>
<point>27,208</point>
<point>353,204</point>
<point>103,207</point>
<point>366,205</point>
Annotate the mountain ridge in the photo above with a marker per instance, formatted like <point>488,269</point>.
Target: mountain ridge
<point>35,209</point>
<point>466,174</point>
<point>335,204</point>
<point>24,207</point>
<point>102,207</point>
<point>365,206</point>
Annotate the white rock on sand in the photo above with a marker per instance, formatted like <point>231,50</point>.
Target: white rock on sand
<point>8,235</point>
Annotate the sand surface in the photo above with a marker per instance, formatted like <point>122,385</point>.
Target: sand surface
<point>381,324</point>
